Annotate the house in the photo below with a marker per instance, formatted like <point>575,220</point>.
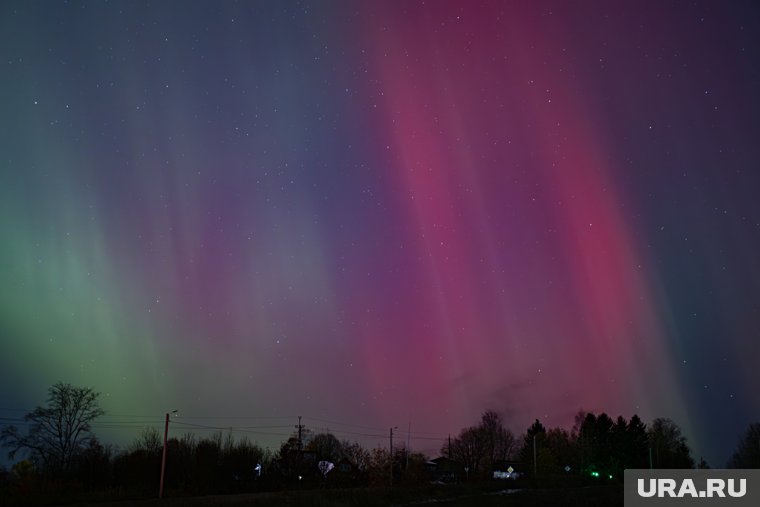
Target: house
<point>445,470</point>
<point>345,473</point>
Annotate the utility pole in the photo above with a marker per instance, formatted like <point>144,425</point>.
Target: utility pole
<point>449,445</point>
<point>299,427</point>
<point>408,443</point>
<point>391,448</point>
<point>163,456</point>
<point>535,463</point>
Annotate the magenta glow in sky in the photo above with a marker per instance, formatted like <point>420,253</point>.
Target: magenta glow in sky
<point>371,213</point>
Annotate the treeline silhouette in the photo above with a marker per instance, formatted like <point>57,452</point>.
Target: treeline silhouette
<point>61,457</point>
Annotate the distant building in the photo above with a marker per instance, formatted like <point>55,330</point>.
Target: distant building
<point>345,466</point>
<point>345,473</point>
<point>446,470</point>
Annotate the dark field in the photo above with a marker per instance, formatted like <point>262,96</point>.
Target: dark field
<point>445,496</point>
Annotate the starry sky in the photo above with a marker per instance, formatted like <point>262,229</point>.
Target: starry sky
<point>381,213</point>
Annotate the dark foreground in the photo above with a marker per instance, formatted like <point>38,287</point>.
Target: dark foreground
<point>602,495</point>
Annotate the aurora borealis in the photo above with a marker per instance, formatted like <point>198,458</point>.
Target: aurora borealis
<point>376,212</point>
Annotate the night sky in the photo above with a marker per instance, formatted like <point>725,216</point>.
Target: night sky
<point>371,213</point>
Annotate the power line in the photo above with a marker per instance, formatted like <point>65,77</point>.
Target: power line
<point>374,428</point>
<point>139,421</point>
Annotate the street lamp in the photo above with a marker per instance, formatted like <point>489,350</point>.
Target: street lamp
<point>163,456</point>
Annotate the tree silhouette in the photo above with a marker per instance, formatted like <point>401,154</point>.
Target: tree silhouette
<point>559,444</point>
<point>499,441</point>
<point>532,443</point>
<point>468,449</point>
<point>747,453</point>
<point>327,447</point>
<point>669,449</point>
<point>610,446</point>
<point>637,445</point>
<point>479,447</point>
<point>58,431</point>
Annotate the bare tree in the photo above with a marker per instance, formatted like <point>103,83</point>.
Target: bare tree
<point>150,440</point>
<point>469,448</point>
<point>59,430</point>
<point>356,454</point>
<point>499,441</point>
<point>479,447</point>
<point>327,447</point>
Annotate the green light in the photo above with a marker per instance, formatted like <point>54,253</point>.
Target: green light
<point>610,476</point>
<point>595,474</point>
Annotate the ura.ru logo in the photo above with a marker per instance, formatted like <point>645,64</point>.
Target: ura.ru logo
<point>715,488</point>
